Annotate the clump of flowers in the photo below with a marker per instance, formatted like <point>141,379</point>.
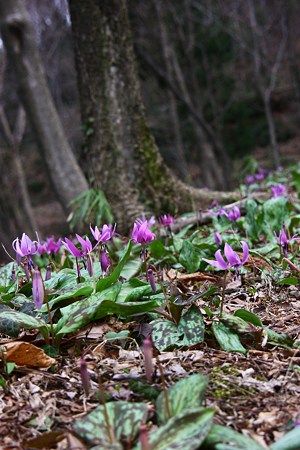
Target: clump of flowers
<point>232,214</point>
<point>85,251</point>
<point>107,233</point>
<point>50,246</point>
<point>278,190</point>
<point>141,233</point>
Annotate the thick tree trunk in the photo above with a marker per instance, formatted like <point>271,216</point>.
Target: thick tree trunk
<point>19,40</point>
<point>120,156</point>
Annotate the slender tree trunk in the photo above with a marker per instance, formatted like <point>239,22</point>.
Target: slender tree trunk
<point>272,130</point>
<point>19,40</point>
<point>120,156</point>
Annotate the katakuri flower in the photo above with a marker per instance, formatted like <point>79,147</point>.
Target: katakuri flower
<point>25,246</point>
<point>107,232</point>
<point>86,246</point>
<point>233,259</point>
<point>49,246</point>
<point>279,190</point>
<point>284,241</point>
<point>166,220</point>
<point>141,232</point>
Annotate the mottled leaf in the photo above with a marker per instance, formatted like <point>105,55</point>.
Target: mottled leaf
<point>186,431</point>
<point>70,292</point>
<point>186,394</point>
<point>227,339</point>
<point>22,320</point>
<point>220,437</point>
<point>124,419</point>
<point>190,256</point>
<point>249,317</point>
<point>190,330</point>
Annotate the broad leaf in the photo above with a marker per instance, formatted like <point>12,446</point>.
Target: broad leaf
<point>190,330</point>
<point>22,320</point>
<point>291,441</point>
<point>124,419</point>
<point>249,317</point>
<point>190,256</point>
<point>224,438</point>
<point>186,394</point>
<point>227,339</point>
<point>186,431</point>
<point>70,292</point>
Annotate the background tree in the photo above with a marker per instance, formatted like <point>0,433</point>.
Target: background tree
<point>120,156</point>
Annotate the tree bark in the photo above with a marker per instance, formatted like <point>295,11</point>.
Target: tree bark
<point>120,155</point>
<point>19,40</point>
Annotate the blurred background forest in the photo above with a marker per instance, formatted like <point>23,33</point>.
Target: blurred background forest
<point>220,83</point>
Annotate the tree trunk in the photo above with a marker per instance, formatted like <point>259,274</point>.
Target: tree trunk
<point>120,156</point>
<point>19,40</point>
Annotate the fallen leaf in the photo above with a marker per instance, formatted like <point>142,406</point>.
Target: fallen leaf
<point>26,354</point>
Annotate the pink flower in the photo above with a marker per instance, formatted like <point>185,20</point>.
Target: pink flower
<point>233,259</point>
<point>25,246</point>
<point>141,232</point>
<point>38,290</point>
<point>107,232</point>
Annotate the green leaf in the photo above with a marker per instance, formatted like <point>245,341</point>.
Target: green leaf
<point>281,339</point>
<point>5,274</point>
<point>190,330</point>
<point>290,281</point>
<point>186,431</point>
<point>131,268</point>
<point>235,323</point>
<point>70,292</point>
<point>104,283</point>
<point>61,279</point>
<point>22,320</point>
<point>141,291</point>
<point>84,316</point>
<point>190,256</point>
<point>291,441</point>
<point>186,394</point>
<point>80,313</point>
<point>224,438</point>
<point>227,339</point>
<point>124,420</point>
<point>248,317</point>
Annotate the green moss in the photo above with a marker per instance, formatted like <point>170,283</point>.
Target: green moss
<point>223,382</point>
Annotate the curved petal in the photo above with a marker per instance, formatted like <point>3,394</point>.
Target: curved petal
<point>221,261</point>
<point>232,256</point>
<point>245,251</point>
<point>72,248</point>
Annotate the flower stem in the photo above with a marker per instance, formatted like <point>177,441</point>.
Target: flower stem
<point>50,317</point>
<point>223,293</point>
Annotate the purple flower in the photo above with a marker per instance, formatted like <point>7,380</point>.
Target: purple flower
<point>233,259</point>
<point>250,179</point>
<point>278,190</point>
<point>104,260</point>
<point>218,238</point>
<point>219,212</point>
<point>86,246</point>
<point>166,220</point>
<point>284,241</point>
<point>141,233</point>
<point>234,214</point>
<point>25,246</point>
<point>151,279</point>
<point>106,233</point>
<point>49,246</point>
<point>38,290</point>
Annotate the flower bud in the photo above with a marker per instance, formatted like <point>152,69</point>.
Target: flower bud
<point>151,279</point>
<point>38,290</point>
<point>148,355</point>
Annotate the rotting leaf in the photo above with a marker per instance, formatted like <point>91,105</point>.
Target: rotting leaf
<point>26,354</point>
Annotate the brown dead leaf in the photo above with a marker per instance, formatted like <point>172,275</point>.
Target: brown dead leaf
<point>26,354</point>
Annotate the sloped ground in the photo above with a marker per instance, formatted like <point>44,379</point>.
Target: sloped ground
<point>256,394</point>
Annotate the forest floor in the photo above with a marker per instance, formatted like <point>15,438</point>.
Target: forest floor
<point>256,394</point>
